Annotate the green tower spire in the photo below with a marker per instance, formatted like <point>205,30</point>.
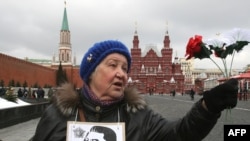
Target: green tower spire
<point>65,25</point>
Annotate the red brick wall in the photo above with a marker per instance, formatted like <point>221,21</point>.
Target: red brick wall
<point>12,68</point>
<point>73,75</point>
<point>77,81</point>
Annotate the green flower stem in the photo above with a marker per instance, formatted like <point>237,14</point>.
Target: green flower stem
<point>228,110</point>
<point>225,67</point>
<point>231,62</point>
<point>217,66</point>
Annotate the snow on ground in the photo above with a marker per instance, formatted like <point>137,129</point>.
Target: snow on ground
<point>8,104</point>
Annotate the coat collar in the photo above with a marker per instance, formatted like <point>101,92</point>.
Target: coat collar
<point>66,98</point>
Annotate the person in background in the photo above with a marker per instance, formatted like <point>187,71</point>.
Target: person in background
<point>104,97</point>
<point>34,94</point>
<point>25,92</point>
<point>245,91</point>
<point>19,93</point>
<point>173,93</point>
<point>40,93</point>
<point>192,92</point>
<point>2,91</point>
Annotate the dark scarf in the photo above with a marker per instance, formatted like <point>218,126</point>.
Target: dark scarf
<point>87,93</point>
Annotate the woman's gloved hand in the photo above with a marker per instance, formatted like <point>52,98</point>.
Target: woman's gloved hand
<point>222,96</point>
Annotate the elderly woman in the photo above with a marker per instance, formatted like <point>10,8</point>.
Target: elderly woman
<point>105,98</point>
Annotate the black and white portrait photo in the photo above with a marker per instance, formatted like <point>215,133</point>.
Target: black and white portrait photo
<point>88,131</point>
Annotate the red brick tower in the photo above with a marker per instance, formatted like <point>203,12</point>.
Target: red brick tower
<point>153,70</point>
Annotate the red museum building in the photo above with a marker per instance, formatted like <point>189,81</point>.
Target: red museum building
<point>153,70</point>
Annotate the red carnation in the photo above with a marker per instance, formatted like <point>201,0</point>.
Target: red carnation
<point>193,46</point>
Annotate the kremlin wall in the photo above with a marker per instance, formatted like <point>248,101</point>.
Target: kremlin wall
<point>21,70</point>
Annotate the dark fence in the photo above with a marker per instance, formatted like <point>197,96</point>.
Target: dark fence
<point>15,115</point>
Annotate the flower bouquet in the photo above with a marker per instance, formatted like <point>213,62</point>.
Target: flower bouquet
<point>229,44</point>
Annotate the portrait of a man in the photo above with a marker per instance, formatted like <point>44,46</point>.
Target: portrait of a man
<point>100,133</point>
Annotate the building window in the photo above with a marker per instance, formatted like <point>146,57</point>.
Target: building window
<point>67,57</point>
<point>62,56</point>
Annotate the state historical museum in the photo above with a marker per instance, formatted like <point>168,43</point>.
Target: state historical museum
<point>153,71</point>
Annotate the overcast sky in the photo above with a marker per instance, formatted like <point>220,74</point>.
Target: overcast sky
<point>31,28</point>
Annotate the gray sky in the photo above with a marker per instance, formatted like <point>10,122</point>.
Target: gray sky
<point>31,28</point>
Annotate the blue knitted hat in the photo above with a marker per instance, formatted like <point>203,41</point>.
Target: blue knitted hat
<point>97,53</point>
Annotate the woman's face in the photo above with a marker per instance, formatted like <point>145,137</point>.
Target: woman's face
<point>110,77</point>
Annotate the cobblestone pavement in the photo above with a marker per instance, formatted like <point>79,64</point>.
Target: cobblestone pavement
<point>169,107</point>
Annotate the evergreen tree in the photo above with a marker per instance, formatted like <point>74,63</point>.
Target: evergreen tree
<point>2,83</point>
<point>25,84</point>
<point>18,84</point>
<point>36,85</point>
<point>61,76</point>
<point>12,83</point>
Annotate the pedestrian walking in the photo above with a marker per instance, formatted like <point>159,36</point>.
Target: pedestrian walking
<point>192,92</point>
<point>173,93</point>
